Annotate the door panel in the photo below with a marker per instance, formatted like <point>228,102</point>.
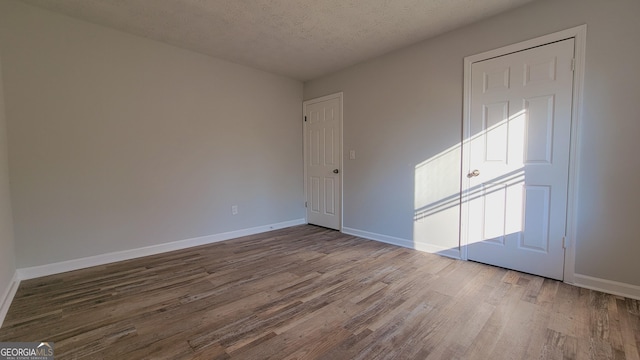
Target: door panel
<point>518,141</point>
<point>323,156</point>
<point>539,132</point>
<point>537,223</point>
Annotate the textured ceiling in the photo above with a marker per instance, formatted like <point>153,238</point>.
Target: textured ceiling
<point>296,38</point>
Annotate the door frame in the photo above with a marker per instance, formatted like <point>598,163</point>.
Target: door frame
<point>579,34</point>
<point>340,97</point>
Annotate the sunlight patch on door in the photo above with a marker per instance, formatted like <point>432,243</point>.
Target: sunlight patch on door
<point>502,189</point>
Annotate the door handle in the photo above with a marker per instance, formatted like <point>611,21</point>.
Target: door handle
<point>474,173</point>
<point>335,171</point>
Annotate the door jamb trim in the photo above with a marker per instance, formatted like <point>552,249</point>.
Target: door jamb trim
<point>579,34</point>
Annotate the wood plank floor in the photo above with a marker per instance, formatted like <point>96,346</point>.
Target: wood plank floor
<point>310,293</point>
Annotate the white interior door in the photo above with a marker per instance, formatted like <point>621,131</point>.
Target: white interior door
<point>323,160</point>
<point>516,159</point>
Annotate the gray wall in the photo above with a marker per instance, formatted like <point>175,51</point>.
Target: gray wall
<point>118,142</point>
<point>406,107</point>
<point>7,254</point>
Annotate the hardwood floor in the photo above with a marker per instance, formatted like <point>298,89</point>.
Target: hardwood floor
<point>310,293</point>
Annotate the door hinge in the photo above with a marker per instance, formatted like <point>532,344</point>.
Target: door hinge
<point>305,204</point>
<point>573,64</point>
<point>305,118</point>
<point>564,242</point>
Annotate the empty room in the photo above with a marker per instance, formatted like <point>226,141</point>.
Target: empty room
<point>277,179</point>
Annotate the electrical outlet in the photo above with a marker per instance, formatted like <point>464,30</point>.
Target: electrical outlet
<point>234,209</point>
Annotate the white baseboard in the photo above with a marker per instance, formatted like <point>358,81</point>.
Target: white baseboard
<point>434,249</point>
<point>607,286</point>
<point>75,264</point>
<point>7,296</point>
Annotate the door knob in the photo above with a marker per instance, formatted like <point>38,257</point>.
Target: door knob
<point>474,173</point>
<point>335,171</point>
